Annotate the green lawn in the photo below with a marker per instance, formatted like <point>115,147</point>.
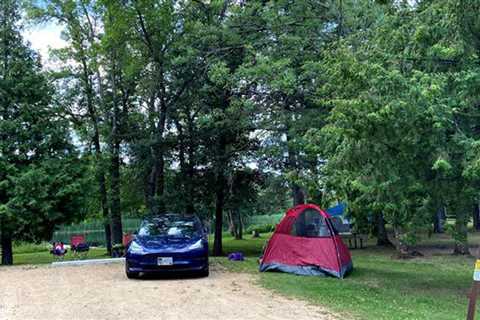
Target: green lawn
<point>44,256</point>
<point>379,288</point>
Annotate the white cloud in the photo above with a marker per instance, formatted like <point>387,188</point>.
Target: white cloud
<point>45,37</point>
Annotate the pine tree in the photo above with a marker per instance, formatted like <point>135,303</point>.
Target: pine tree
<point>41,175</point>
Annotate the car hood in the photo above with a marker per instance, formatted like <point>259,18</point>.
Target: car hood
<point>165,242</point>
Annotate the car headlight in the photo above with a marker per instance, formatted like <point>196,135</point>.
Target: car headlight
<point>197,245</point>
<point>135,248</point>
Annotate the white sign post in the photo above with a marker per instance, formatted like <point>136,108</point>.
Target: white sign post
<point>476,273</point>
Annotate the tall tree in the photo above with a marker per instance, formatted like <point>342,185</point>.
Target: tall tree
<point>41,181</point>
<point>81,84</point>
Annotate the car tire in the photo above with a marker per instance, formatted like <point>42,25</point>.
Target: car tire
<point>131,275</point>
<point>205,272</point>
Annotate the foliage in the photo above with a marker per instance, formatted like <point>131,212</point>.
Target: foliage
<point>263,228</point>
<point>43,179</point>
<point>239,107</point>
<point>379,287</point>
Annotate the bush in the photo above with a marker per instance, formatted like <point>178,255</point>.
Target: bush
<point>26,247</point>
<point>261,228</point>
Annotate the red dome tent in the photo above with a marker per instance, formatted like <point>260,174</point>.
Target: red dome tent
<point>306,243</point>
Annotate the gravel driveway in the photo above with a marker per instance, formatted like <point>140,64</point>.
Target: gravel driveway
<point>103,292</point>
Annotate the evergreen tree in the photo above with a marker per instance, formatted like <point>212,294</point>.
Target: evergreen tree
<point>41,177</point>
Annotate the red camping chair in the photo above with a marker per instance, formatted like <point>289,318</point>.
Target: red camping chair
<point>58,251</point>
<point>127,238</point>
<point>79,245</point>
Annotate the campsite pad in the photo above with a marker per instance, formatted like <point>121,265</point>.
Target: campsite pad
<point>103,292</point>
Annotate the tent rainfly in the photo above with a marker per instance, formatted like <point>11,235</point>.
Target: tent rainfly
<point>305,242</point>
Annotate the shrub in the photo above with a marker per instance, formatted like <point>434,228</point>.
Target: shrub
<point>261,228</point>
<point>26,247</point>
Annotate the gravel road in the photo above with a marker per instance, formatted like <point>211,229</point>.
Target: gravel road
<point>103,292</point>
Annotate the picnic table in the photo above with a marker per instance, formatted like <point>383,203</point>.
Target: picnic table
<point>355,240</point>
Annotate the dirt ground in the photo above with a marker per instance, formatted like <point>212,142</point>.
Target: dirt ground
<point>103,292</point>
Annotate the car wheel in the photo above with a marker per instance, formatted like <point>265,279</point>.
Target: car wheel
<point>131,275</point>
<point>205,272</point>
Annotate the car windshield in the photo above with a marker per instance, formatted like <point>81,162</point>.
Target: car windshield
<point>171,226</point>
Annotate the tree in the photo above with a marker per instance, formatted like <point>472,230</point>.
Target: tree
<point>42,181</point>
<point>285,39</point>
<point>81,85</point>
<point>397,141</point>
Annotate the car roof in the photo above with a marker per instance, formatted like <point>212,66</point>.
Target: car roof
<point>171,216</point>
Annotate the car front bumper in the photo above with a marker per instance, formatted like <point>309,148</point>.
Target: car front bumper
<point>148,263</point>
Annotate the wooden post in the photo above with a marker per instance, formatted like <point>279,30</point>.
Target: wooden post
<point>474,293</point>
<point>473,300</point>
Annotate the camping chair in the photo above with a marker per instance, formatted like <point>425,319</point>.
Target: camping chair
<point>127,238</point>
<point>79,246</point>
<point>119,251</point>
<point>58,251</point>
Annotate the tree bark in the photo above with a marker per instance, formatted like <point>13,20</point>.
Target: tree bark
<point>186,168</point>
<point>157,176</point>
<point>115,209</point>
<point>7,246</point>
<point>102,188</point>
<point>92,113</point>
<point>221,185</point>
<point>190,168</point>
<point>402,247</point>
<point>116,215</point>
<point>231,224</point>
<point>461,232</point>
<point>235,223</point>
<point>381,232</point>
<point>238,225</point>
<point>298,194</point>
<point>476,217</point>
<point>439,220</point>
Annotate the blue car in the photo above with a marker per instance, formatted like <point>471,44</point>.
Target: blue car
<point>168,243</point>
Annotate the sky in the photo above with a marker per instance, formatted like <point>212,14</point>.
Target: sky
<point>42,38</point>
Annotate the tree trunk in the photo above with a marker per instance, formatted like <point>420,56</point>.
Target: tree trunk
<point>115,209</point>
<point>297,192</point>
<point>156,184</point>
<point>461,233</point>
<point>92,113</point>
<point>221,185</point>
<point>476,217</point>
<point>439,220</point>
<point>103,191</point>
<point>298,195</point>
<point>116,215</point>
<point>219,203</point>
<point>402,247</point>
<point>231,224</point>
<point>186,168</point>
<point>381,232</point>
<point>190,168</point>
<point>239,225</point>
<point>7,247</point>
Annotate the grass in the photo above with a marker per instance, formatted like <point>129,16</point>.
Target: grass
<point>44,256</point>
<point>26,247</point>
<point>380,287</point>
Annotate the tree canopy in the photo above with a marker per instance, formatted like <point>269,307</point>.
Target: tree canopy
<point>224,108</point>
